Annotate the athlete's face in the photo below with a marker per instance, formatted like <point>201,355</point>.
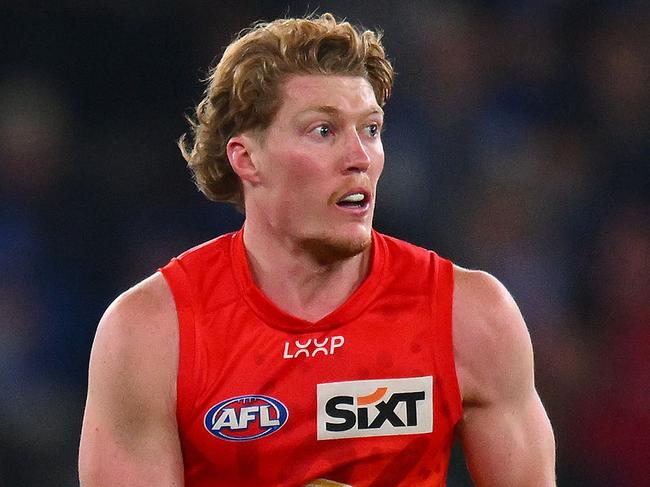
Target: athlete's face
<point>319,164</point>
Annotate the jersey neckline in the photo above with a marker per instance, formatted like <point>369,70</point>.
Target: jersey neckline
<point>275,317</point>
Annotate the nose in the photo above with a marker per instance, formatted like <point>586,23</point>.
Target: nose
<point>356,157</point>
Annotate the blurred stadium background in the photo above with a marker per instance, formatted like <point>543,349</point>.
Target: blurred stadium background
<point>518,142</point>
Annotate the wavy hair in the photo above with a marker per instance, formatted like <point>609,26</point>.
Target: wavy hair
<point>243,89</point>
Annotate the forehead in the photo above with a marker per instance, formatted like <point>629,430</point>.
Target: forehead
<point>345,93</point>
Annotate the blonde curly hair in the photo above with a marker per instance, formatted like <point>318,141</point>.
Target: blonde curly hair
<point>243,89</point>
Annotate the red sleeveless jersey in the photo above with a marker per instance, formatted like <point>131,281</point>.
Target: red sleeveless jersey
<point>367,396</point>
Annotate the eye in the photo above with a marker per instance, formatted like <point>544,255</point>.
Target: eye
<point>323,130</point>
<point>372,129</point>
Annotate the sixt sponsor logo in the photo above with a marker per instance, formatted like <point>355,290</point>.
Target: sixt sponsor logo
<point>363,408</point>
<point>246,418</point>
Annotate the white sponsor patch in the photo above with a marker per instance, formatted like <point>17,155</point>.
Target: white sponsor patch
<point>381,407</point>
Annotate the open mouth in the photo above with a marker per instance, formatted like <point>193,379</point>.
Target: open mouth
<point>353,200</point>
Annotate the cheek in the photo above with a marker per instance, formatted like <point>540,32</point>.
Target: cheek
<point>378,166</point>
<point>295,171</point>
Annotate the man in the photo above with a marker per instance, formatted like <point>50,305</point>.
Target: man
<point>307,349</point>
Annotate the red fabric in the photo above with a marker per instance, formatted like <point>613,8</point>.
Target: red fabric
<point>235,342</point>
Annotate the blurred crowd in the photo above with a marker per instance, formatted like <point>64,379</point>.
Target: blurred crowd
<point>517,142</point>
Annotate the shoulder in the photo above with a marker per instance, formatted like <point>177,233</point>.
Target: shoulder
<point>144,311</point>
<point>136,344</point>
<point>479,295</point>
<point>492,346</point>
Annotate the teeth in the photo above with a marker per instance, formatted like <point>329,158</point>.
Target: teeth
<point>353,198</point>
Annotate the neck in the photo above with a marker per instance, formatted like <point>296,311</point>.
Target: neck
<point>300,281</point>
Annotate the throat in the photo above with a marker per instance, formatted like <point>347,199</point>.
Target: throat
<point>308,278</point>
<point>314,300</point>
<point>313,293</point>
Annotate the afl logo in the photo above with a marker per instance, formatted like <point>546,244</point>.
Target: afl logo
<point>245,418</point>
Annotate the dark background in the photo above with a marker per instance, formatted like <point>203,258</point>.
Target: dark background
<point>517,141</point>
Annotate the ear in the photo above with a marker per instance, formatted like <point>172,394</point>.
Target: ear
<point>240,150</point>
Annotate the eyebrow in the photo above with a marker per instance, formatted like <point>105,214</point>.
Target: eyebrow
<point>334,111</point>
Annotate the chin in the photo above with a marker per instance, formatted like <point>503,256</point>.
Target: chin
<point>331,249</point>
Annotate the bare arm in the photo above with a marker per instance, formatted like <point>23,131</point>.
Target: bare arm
<point>129,435</point>
<point>505,432</point>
